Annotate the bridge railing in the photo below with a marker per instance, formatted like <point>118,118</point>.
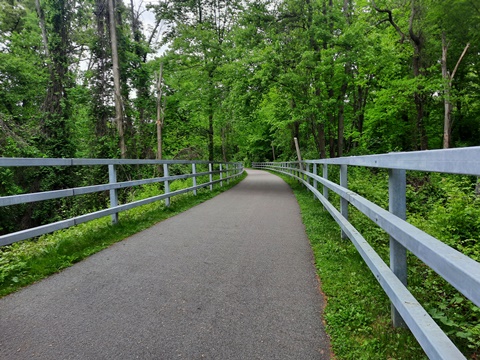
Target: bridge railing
<point>458,269</point>
<point>223,171</point>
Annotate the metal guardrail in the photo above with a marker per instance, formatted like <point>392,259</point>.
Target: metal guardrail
<point>226,171</point>
<point>458,269</point>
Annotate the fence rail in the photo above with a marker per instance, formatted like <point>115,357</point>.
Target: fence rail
<point>223,170</point>
<point>458,269</point>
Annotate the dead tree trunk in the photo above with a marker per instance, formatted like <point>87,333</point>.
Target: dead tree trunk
<point>448,80</point>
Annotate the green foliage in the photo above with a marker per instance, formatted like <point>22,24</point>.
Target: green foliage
<point>333,74</point>
<point>449,210</point>
<point>357,311</point>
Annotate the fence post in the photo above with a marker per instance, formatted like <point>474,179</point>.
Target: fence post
<point>166,184</point>
<point>307,178</point>
<point>227,173</point>
<point>112,178</point>
<point>221,175</point>
<point>210,175</point>
<point>315,184</point>
<point>299,156</point>
<point>325,176</point>
<point>397,184</point>
<point>344,202</point>
<point>194,172</point>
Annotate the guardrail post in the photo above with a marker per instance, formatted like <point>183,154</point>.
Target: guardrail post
<point>112,178</point>
<point>325,176</point>
<point>221,175</point>
<point>344,202</point>
<point>210,169</point>
<point>307,178</point>
<point>315,184</point>
<point>166,184</point>
<point>398,254</point>
<point>194,172</point>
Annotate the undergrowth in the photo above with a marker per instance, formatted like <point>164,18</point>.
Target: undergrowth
<point>26,262</point>
<point>358,311</point>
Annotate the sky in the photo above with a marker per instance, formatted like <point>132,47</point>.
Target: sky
<point>147,18</point>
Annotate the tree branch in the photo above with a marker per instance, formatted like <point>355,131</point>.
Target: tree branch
<point>416,39</point>
<point>390,20</point>
<point>459,60</point>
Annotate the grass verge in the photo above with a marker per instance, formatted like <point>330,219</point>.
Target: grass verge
<point>357,313</point>
<point>26,262</point>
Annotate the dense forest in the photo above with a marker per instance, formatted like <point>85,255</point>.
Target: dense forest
<point>234,80</point>
<point>228,80</point>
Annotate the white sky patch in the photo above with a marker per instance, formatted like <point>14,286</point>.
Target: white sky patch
<point>148,20</point>
<point>147,17</point>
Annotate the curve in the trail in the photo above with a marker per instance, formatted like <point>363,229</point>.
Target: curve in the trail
<point>232,278</point>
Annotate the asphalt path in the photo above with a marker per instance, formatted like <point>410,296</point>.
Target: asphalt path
<point>232,278</point>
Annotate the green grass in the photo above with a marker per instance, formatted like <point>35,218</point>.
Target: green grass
<point>26,262</point>
<point>357,313</point>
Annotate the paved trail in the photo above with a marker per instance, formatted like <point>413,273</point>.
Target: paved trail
<point>232,278</point>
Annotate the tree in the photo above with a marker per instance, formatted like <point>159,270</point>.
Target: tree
<point>198,31</point>
<point>160,110</point>
<point>417,40</point>
<point>119,114</point>
<point>448,79</point>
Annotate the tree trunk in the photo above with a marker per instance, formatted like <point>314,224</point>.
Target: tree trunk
<point>447,80</point>
<point>447,102</point>
<point>210,132</point>
<point>160,112</point>
<point>331,123</point>
<point>41,21</point>
<point>341,117</point>
<point>321,139</point>
<point>57,110</point>
<point>419,99</point>
<point>224,143</point>
<point>359,103</point>
<point>331,145</point>
<point>99,83</point>
<point>119,116</point>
